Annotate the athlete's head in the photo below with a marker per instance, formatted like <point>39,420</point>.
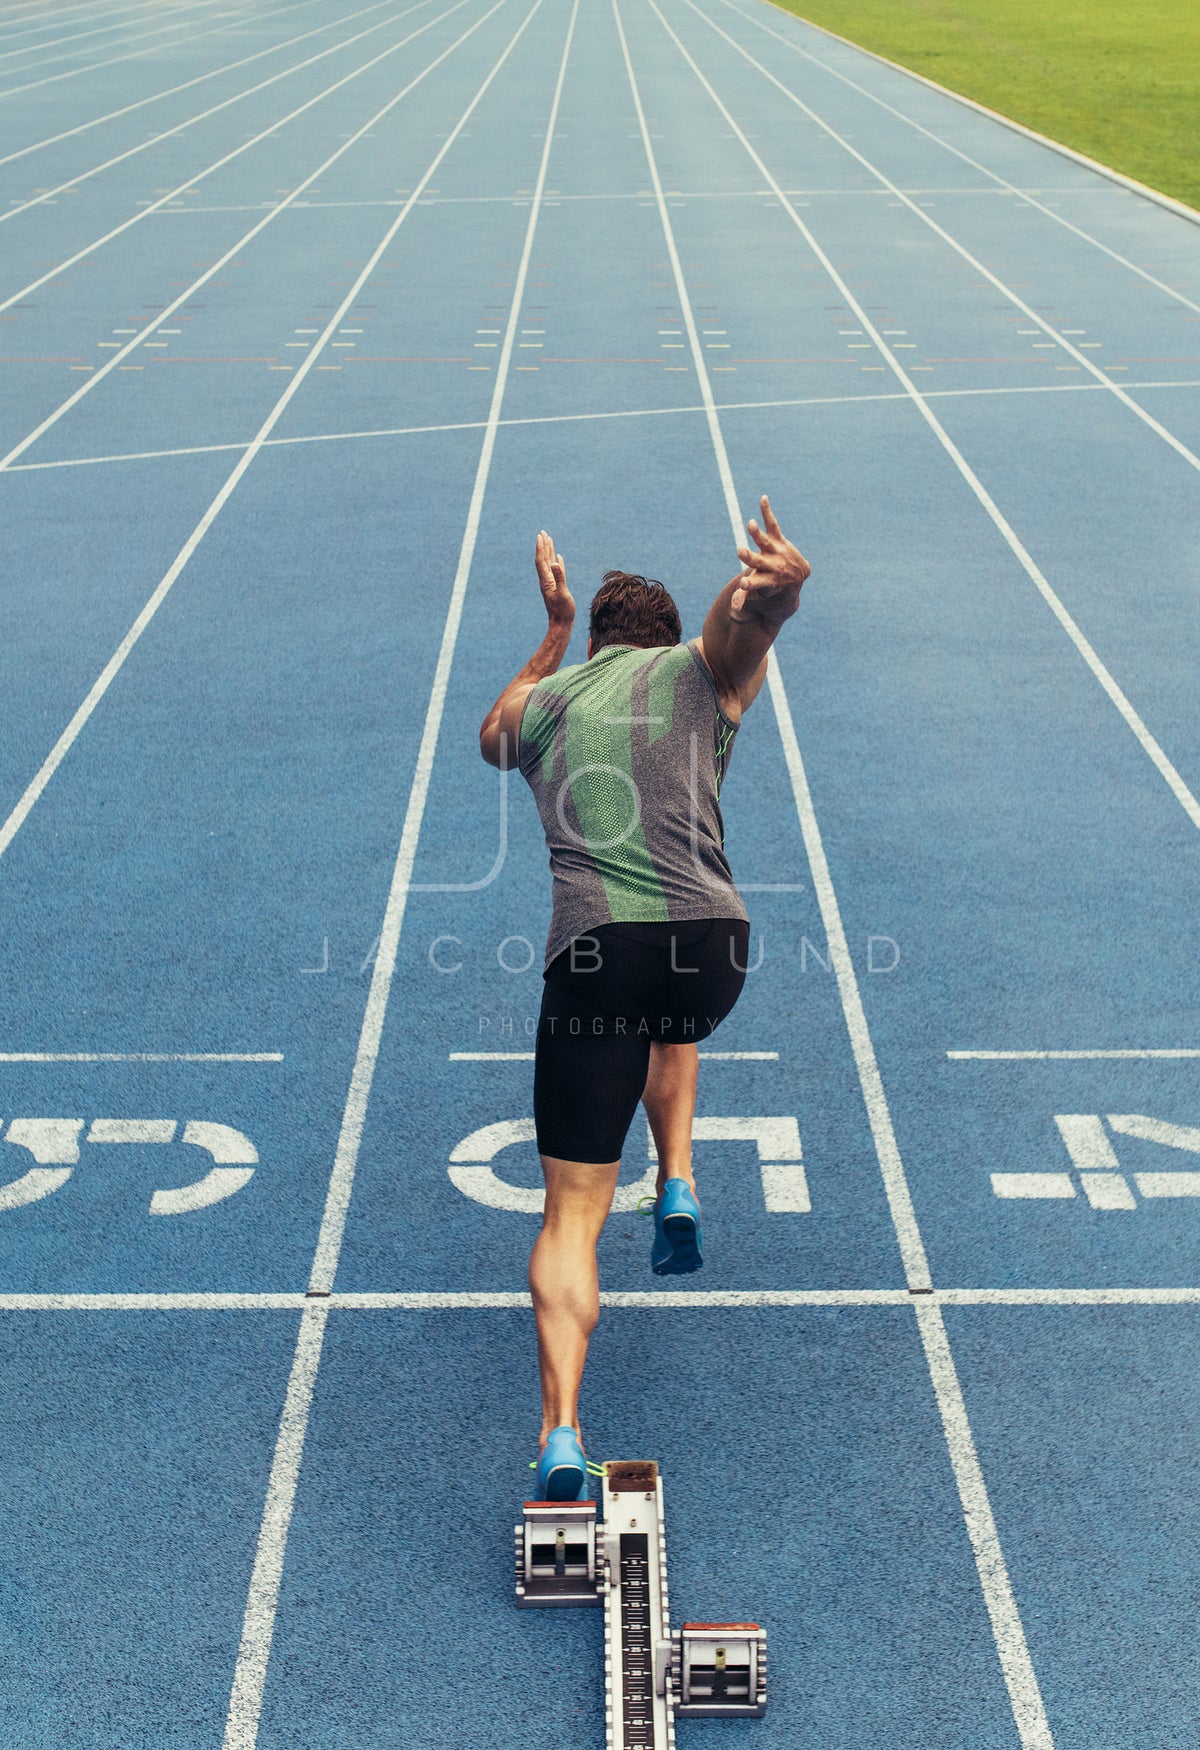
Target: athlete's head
<point>628,609</point>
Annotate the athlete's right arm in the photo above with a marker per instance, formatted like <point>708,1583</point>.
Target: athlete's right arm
<point>745,619</point>
<point>498,733</point>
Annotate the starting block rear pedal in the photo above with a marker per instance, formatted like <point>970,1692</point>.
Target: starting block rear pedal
<point>564,1556</point>
<point>719,1669</point>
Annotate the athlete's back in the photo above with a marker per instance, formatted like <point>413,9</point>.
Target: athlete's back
<point>625,755</point>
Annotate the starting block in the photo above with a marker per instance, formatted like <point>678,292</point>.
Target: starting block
<point>567,1556</point>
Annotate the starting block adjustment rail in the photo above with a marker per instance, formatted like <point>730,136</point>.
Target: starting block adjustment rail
<point>567,1556</point>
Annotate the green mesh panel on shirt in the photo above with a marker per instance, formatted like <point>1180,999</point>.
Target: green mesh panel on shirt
<point>537,733</point>
<point>598,745</point>
<point>661,689</point>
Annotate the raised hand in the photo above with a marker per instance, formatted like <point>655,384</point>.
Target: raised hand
<point>552,581</point>
<point>500,732</point>
<point>771,578</point>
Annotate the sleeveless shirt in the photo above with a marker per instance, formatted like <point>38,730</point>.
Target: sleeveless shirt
<point>625,755</point>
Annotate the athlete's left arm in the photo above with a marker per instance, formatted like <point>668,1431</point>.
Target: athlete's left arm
<point>498,733</point>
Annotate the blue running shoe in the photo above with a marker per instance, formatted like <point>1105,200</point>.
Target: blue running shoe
<point>677,1248</point>
<point>562,1468</point>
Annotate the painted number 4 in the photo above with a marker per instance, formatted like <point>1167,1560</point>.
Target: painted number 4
<point>1094,1158</point>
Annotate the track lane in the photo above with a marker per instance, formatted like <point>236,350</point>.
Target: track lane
<point>50,193</point>
<point>125,109</point>
<point>129,339</point>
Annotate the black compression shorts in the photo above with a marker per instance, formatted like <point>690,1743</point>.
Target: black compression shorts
<point>606,997</point>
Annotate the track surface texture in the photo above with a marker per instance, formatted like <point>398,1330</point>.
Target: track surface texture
<point>276,280</point>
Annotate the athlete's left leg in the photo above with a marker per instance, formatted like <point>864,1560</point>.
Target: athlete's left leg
<point>564,1281</point>
<point>670,1101</point>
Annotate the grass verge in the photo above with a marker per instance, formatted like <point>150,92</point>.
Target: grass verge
<point>1117,80</point>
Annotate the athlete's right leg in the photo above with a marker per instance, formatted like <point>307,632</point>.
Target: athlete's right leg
<point>588,1076</point>
<point>703,982</point>
<point>564,1282</point>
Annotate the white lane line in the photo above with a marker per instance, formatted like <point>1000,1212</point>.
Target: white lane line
<point>669,1301</point>
<point>1027,195</point>
<point>653,1300</point>
<point>187,1301</point>
<point>1068,1296</point>
<point>908,1237</point>
<point>333,1223</point>
<point>96,66</point>
<point>241,1731</point>
<point>55,272</point>
<point>64,15</point>
<point>491,1057</point>
<point>136,456</point>
<point>49,20</point>
<point>741,1056</point>
<point>258,1624</point>
<point>141,1057</point>
<point>19,12</point>
<point>391,431</point>
<point>452,1300</point>
<point>1150,746</point>
<point>1070,1056</point>
<point>1083,359</point>
<point>200,78</point>
<point>1029,1710</point>
<point>1012,1650</point>
<point>507,200</point>
<point>1055,389</point>
<point>115,663</point>
<point>203,7</point>
<point>78,35</point>
<point>47,194</point>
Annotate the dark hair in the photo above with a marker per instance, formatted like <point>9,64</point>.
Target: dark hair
<point>628,609</point>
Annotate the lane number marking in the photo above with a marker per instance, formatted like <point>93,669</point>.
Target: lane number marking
<point>777,1140</point>
<point>1097,1167</point>
<point>54,1144</point>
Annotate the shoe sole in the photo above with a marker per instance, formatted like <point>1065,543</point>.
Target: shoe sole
<point>685,1251</point>
<point>564,1483</point>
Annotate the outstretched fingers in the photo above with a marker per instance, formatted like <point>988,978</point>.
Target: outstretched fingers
<point>552,580</point>
<point>544,557</point>
<point>762,539</point>
<point>769,518</point>
<point>760,562</point>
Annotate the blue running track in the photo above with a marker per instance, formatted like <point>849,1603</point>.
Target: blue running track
<point>275,283</point>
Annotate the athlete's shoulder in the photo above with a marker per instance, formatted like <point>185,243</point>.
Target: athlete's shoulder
<point>562,683</point>
<point>545,708</point>
<point>664,661</point>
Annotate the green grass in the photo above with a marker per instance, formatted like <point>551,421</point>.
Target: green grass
<point>1117,79</point>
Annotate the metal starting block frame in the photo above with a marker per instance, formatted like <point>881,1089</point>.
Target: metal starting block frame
<point>565,1556</point>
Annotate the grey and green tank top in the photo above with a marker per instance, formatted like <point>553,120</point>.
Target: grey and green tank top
<point>625,756</point>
